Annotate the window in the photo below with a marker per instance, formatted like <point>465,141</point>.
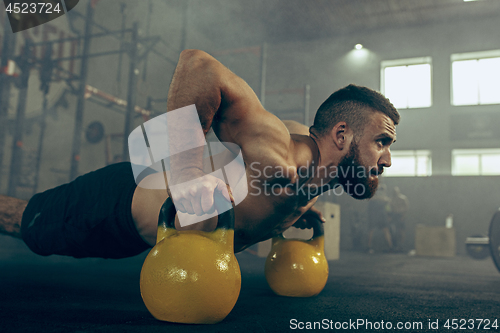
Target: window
<point>410,163</point>
<point>475,78</point>
<point>475,162</point>
<point>407,82</point>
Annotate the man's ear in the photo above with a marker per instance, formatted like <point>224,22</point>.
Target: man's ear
<point>341,135</point>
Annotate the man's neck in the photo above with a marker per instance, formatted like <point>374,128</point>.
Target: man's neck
<point>319,171</point>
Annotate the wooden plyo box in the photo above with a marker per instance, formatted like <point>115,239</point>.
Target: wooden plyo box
<point>331,212</point>
<point>435,241</point>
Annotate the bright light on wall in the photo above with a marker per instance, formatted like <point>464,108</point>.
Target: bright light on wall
<point>358,56</point>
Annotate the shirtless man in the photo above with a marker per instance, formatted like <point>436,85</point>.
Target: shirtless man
<point>349,142</point>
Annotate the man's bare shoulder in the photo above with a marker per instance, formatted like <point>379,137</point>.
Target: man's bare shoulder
<point>238,115</point>
<point>295,127</point>
<point>267,136</point>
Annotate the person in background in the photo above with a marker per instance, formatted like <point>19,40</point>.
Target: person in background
<point>378,217</point>
<point>399,208</point>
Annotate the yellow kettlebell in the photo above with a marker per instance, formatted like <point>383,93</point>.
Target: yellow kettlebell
<point>298,268</point>
<point>191,276</point>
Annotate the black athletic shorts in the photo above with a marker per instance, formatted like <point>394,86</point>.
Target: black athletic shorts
<point>88,217</point>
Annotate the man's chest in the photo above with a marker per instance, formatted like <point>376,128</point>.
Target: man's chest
<point>267,214</point>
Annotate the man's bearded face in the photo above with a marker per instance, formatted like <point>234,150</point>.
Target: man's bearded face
<point>354,175</point>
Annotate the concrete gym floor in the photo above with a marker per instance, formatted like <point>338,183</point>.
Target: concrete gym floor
<point>59,294</point>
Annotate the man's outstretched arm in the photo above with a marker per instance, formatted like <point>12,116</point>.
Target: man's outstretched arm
<point>226,103</point>
<point>217,93</point>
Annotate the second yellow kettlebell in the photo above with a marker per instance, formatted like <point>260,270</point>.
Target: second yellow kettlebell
<point>298,268</point>
<point>191,276</point>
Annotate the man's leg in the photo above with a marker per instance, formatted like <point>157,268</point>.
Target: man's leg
<point>11,213</point>
<point>388,237</point>
<point>88,217</point>
<point>400,234</point>
<point>370,239</point>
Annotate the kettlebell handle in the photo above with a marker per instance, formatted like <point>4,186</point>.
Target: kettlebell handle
<point>317,226</point>
<point>225,220</point>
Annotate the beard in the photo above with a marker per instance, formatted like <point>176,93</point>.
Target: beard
<point>354,176</point>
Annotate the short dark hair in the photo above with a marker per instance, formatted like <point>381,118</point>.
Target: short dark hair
<point>352,104</point>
